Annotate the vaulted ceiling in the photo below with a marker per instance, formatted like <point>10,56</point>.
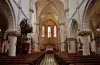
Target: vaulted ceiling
<point>49,9</point>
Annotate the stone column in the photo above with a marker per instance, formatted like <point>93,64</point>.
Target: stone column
<point>36,38</point>
<point>36,49</point>
<point>85,40</point>
<point>72,45</point>
<point>62,36</point>
<point>62,46</point>
<point>12,36</point>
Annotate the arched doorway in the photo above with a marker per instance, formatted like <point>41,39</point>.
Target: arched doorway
<point>48,35</point>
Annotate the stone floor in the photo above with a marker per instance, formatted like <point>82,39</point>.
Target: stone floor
<point>48,60</point>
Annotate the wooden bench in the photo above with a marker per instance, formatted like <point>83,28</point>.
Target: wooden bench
<point>64,58</point>
<point>29,59</point>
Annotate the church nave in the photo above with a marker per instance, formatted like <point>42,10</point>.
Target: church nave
<point>48,60</point>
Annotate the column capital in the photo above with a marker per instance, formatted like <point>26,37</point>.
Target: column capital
<point>36,23</point>
<point>61,24</point>
<point>61,42</point>
<point>84,33</point>
<point>13,33</point>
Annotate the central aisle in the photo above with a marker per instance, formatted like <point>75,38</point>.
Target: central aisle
<point>48,60</point>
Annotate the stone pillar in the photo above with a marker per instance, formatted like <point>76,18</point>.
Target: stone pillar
<point>62,46</point>
<point>72,45</point>
<point>36,49</point>
<point>85,40</point>
<point>62,36</point>
<point>36,38</point>
<point>12,43</point>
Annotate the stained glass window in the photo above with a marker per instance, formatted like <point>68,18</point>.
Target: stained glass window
<point>43,31</point>
<point>55,31</point>
<point>49,32</point>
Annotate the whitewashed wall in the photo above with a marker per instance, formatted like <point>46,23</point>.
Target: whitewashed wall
<point>76,11</point>
<point>21,10</point>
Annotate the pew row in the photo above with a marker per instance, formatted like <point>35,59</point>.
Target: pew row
<point>29,59</point>
<point>64,58</point>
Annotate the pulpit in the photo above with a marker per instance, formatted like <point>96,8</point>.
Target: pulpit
<point>22,47</point>
<point>23,42</point>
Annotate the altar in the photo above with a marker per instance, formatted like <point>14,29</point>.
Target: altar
<point>49,47</point>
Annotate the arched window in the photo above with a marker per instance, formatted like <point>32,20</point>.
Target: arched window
<point>43,31</point>
<point>55,31</point>
<point>49,32</point>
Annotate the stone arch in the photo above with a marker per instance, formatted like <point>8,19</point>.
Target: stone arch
<point>86,9</point>
<point>54,6</point>
<point>49,16</point>
<point>85,20</point>
<point>47,3</point>
<point>91,14</point>
<point>8,12</point>
<point>46,6</point>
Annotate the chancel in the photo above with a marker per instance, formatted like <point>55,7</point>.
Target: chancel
<point>49,32</point>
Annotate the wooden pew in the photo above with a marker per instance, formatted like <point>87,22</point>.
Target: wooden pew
<point>82,61</point>
<point>29,59</point>
<point>64,58</point>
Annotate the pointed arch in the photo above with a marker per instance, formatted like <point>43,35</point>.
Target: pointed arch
<point>46,6</point>
<point>88,6</point>
<point>55,5</point>
<point>6,11</point>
